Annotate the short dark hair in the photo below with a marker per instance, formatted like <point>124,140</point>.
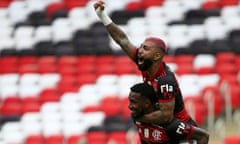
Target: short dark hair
<point>147,91</point>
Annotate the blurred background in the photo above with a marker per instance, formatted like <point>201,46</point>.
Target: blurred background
<point>64,81</point>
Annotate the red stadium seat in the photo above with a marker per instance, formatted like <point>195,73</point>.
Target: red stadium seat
<point>105,69</point>
<point>232,140</point>
<point>28,68</point>
<point>87,78</point>
<point>169,59</point>
<point>87,59</point>
<point>5,3</point>
<point>108,59</point>
<point>86,68</point>
<point>67,60</point>
<point>34,139</point>
<point>74,139</point>
<point>225,58</point>
<point>129,68</point>
<point>11,99</point>
<point>91,108</point>
<point>210,4</point>
<point>150,3</point>
<point>55,139</point>
<point>52,7</point>
<point>47,64</point>
<point>216,96</point>
<point>30,104</point>
<point>123,65</point>
<point>68,83</point>
<point>49,95</point>
<point>98,137</point>
<point>125,111</point>
<point>197,109</point>
<point>117,136</point>
<point>185,68</point>
<point>11,108</point>
<point>67,69</point>
<point>9,64</point>
<point>27,60</point>
<point>224,3</point>
<point>226,69</point>
<point>134,5</point>
<point>234,92</point>
<point>184,59</point>
<point>111,106</point>
<point>75,3</point>
<point>47,60</point>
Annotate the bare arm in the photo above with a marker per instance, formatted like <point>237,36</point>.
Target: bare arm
<point>116,33</point>
<point>121,38</point>
<point>200,135</point>
<point>163,115</point>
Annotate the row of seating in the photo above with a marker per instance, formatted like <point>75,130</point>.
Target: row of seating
<point>63,33</point>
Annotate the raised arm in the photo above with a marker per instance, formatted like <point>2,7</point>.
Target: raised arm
<point>115,32</point>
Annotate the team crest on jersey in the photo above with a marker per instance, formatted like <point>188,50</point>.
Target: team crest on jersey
<point>156,135</point>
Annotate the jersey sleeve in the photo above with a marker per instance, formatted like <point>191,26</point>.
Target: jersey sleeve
<point>167,89</point>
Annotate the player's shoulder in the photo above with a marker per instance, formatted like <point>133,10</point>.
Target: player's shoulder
<point>168,74</point>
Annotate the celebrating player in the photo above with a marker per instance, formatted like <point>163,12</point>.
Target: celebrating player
<point>149,59</point>
<point>143,100</point>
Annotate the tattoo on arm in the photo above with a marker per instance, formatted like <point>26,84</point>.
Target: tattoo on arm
<point>120,37</point>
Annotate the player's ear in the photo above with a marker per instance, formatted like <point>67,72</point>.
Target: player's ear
<point>158,56</point>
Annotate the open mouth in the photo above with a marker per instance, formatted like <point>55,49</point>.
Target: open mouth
<point>140,60</point>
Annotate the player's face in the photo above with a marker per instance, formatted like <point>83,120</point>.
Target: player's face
<point>136,104</point>
<point>146,55</point>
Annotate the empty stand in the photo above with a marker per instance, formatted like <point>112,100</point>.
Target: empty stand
<point>63,80</point>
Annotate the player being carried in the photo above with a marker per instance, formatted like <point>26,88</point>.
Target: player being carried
<point>142,100</point>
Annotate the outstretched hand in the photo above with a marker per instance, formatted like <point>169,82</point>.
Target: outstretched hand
<point>99,4</point>
<point>99,7</point>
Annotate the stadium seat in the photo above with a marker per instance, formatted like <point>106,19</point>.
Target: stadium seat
<point>5,3</point>
<point>224,3</point>
<point>31,128</point>
<point>211,95</point>
<point>49,95</point>
<point>232,140</point>
<point>61,30</point>
<point>149,3</point>
<point>196,109</point>
<point>209,4</point>
<point>52,7</point>
<point>75,138</point>
<point>134,5</point>
<point>30,104</point>
<point>11,133</point>
<point>204,64</point>
<point>55,139</point>
<point>17,12</point>
<point>118,136</point>
<point>12,108</point>
<point>97,137</point>
<point>195,32</point>
<point>34,139</point>
<point>214,28</point>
